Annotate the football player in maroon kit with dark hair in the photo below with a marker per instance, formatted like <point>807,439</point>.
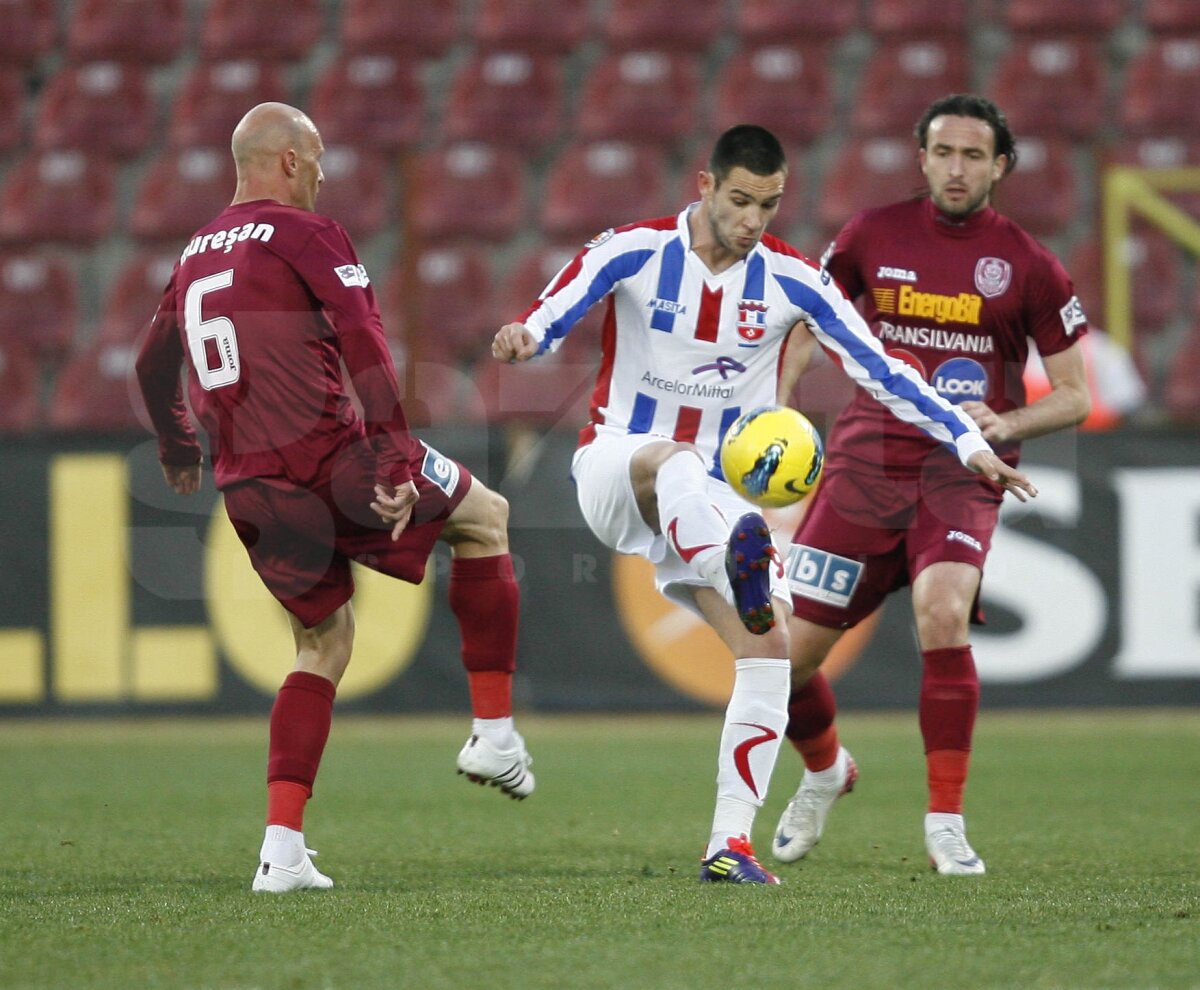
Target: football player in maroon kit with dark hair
<point>265,304</point>
<point>956,290</point>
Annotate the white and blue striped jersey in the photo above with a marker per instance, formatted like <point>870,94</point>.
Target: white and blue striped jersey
<point>685,352</point>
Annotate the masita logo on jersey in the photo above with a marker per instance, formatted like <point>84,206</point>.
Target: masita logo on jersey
<point>961,380</point>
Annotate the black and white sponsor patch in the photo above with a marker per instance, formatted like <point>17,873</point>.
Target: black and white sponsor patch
<point>439,470</point>
<point>822,576</point>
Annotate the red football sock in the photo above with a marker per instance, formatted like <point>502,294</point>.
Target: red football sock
<point>810,728</point>
<point>946,771</point>
<point>486,601</point>
<point>948,706</point>
<point>285,804</point>
<point>300,720</point>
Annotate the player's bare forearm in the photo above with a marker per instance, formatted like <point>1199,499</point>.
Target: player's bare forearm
<point>798,349</point>
<point>1066,404</point>
<point>513,343</point>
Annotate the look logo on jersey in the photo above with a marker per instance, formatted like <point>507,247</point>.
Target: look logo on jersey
<point>961,379</point>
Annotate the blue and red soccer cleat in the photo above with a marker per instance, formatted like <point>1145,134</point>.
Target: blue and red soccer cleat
<point>735,864</point>
<point>748,561</point>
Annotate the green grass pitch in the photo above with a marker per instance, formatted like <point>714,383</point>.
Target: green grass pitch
<point>127,849</point>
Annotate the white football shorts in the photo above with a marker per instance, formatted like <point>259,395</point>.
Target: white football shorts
<point>606,499</point>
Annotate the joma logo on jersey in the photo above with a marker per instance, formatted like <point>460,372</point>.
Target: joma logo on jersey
<point>958,536</point>
<point>667,306</point>
<point>752,319</point>
<point>899,274</point>
<point>966,307</point>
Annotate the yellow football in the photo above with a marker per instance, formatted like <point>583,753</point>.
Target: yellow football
<point>772,456</point>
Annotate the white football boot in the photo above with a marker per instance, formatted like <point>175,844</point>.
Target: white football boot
<point>285,864</point>
<point>803,820</point>
<point>508,769</point>
<point>946,842</point>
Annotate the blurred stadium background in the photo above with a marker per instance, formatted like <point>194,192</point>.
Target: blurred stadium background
<point>472,145</point>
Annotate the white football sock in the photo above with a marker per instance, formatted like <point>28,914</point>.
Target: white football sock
<point>754,722</point>
<point>497,731</point>
<point>282,846</point>
<point>688,518</point>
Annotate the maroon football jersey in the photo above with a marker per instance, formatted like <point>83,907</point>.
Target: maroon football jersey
<point>264,304</point>
<point>957,300</point>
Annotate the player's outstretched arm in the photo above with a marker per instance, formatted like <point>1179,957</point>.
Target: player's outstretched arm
<point>513,343</point>
<point>1010,479</point>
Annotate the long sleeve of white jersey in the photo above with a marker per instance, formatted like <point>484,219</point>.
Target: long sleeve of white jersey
<point>685,345</point>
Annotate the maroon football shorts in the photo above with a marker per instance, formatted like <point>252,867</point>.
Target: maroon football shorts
<point>302,542</point>
<point>866,535</point>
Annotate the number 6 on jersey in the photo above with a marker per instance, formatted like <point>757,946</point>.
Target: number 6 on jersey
<point>212,343</point>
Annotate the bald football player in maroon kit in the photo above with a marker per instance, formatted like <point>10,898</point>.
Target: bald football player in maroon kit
<point>265,305</point>
<point>958,291</point>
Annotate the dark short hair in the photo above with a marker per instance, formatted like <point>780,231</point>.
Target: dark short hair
<point>979,107</point>
<point>747,146</point>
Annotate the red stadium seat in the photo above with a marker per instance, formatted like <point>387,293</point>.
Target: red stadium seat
<point>216,95</point>
<point>63,196</point>
<point>867,172</point>
<point>1156,273</point>
<point>370,101</point>
<point>530,276</point>
<point>1159,96</point>
<point>436,393</point>
<point>1040,194</point>
<point>142,31</point>
<point>439,305</point>
<point>917,19</point>
<point>135,295</point>
<point>468,189</point>
<point>902,79</point>
<point>592,186</point>
<point>30,31</point>
<point>634,25</point>
<point>260,29</point>
<point>96,391</point>
<point>21,386</point>
<point>425,28</point>
<point>769,22</point>
<point>12,108</point>
<point>552,391</point>
<point>100,106</point>
<point>38,304</point>
<point>555,26</point>
<point>506,97</point>
<point>1171,17</point>
<point>1165,151</point>
<point>182,190</point>
<point>357,191</point>
<point>1033,17</point>
<point>1052,88</point>
<point>640,96</point>
<point>761,86</point>
<point>1181,392</point>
